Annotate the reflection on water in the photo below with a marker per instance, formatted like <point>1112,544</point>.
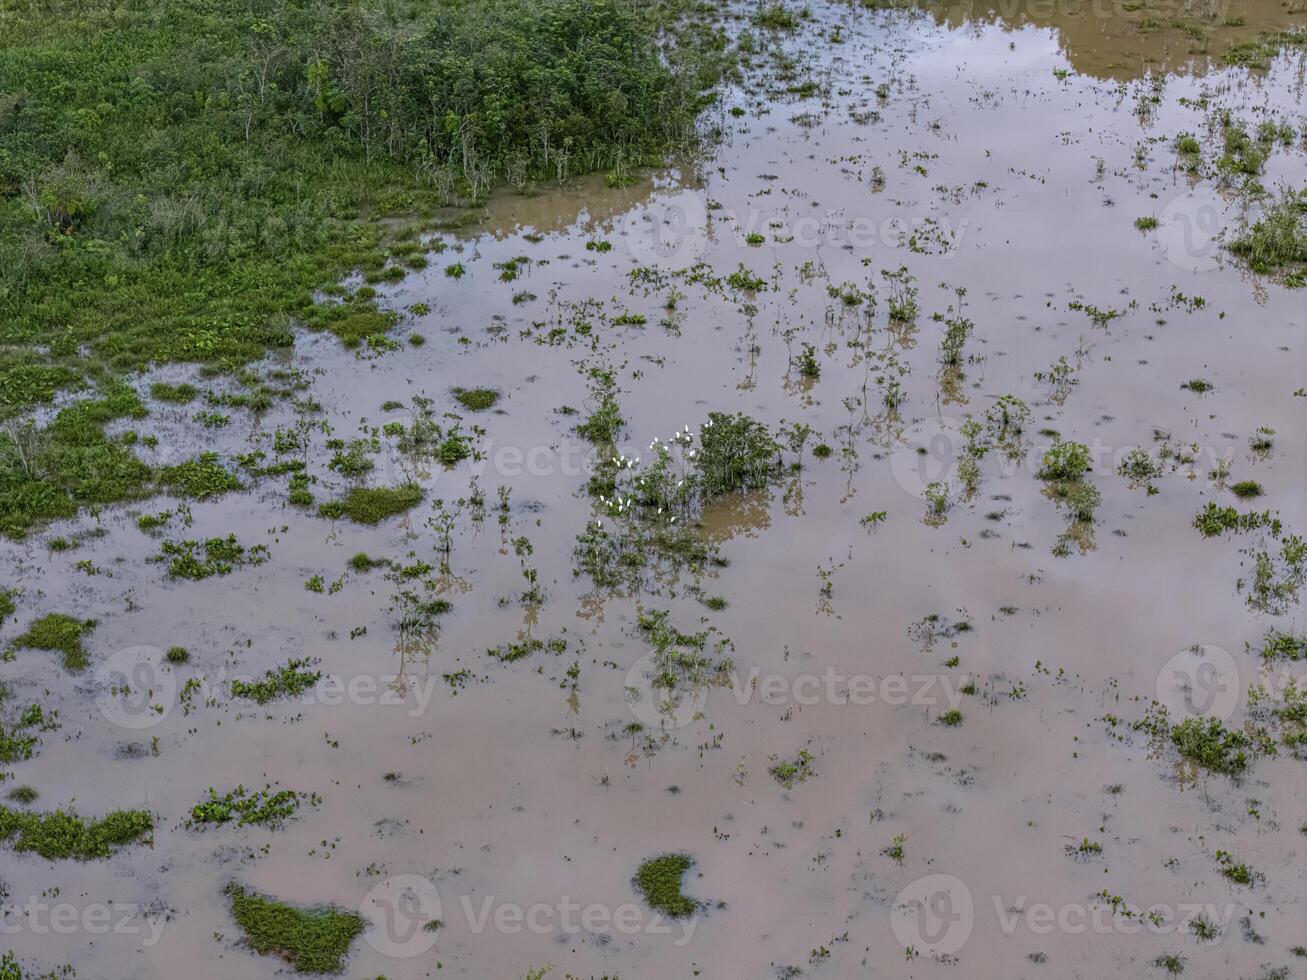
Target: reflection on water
<point>1125,39</point>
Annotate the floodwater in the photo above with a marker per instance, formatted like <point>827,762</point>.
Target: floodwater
<point>1009,155</point>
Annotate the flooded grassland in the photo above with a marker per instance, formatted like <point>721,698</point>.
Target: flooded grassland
<point>869,550</point>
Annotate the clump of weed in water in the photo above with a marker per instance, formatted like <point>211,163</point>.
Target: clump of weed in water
<point>61,633</point>
<point>372,505</point>
<point>789,772</point>
<point>63,834</point>
<point>312,940</point>
<point>660,881</point>
<point>1246,489</point>
<point>1213,746</point>
<point>1065,461</point>
<point>476,399</point>
<point>288,681</point>
<point>196,560</point>
<point>261,808</point>
<point>1279,238</point>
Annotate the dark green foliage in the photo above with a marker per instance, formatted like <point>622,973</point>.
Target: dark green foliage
<point>7,607</point>
<point>63,834</point>
<point>312,940</point>
<point>372,505</point>
<point>1246,488</point>
<point>289,681</point>
<point>659,881</point>
<point>177,655</point>
<point>57,631</point>
<point>194,169</point>
<point>735,453</point>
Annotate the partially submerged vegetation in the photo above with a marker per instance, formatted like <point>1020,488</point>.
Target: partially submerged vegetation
<point>62,834</point>
<point>311,940</point>
<point>59,633</point>
<point>372,505</point>
<point>660,881</point>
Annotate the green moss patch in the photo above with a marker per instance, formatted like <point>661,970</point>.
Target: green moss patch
<point>312,940</point>
<point>63,834</point>
<point>476,399</point>
<point>659,880</point>
<point>61,633</point>
<point>372,505</point>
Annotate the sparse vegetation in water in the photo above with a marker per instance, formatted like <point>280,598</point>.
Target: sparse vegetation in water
<point>1277,241</point>
<point>197,560</point>
<point>951,718</point>
<point>264,807</point>
<point>311,940</point>
<point>288,681</point>
<point>660,880</point>
<point>372,505</point>
<point>1246,489</point>
<point>59,633</point>
<point>62,834</point>
<point>790,772</point>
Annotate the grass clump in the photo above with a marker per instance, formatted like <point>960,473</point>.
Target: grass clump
<point>180,394</point>
<point>1279,238</point>
<point>287,681</point>
<point>1213,746</point>
<point>660,880</point>
<point>476,399</point>
<point>1277,644</point>
<point>735,452</point>
<point>372,505</point>
<point>62,834</point>
<point>951,718</point>
<point>1245,489</point>
<point>61,633</point>
<point>311,940</point>
<point>7,607</point>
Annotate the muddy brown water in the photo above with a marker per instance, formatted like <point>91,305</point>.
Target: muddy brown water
<point>521,793</point>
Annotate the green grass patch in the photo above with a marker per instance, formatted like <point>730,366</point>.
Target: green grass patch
<point>660,881</point>
<point>62,834</point>
<point>372,505</point>
<point>61,633</point>
<point>261,808</point>
<point>311,940</point>
<point>476,399</point>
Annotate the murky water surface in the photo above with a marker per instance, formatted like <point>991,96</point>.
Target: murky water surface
<point>1001,149</point>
